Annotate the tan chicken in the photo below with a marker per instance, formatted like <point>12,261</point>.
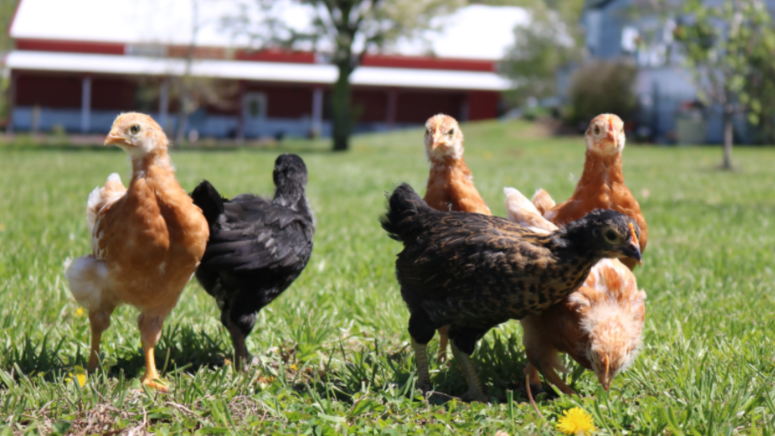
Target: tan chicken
<point>146,241</point>
<point>602,183</point>
<point>599,325</point>
<point>450,183</point>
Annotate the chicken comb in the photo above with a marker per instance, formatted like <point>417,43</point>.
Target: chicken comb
<point>611,124</point>
<point>634,237</point>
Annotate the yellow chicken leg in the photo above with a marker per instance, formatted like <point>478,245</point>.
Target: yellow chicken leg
<point>150,333</point>
<point>475,390</point>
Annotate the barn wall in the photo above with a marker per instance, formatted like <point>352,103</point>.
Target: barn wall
<point>482,105</point>
<point>418,106</point>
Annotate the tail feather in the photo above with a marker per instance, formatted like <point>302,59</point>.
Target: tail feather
<point>402,204</point>
<point>101,197</point>
<point>521,211</point>
<point>209,200</point>
<point>543,201</point>
<point>87,278</point>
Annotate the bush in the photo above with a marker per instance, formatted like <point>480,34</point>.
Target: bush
<point>601,87</point>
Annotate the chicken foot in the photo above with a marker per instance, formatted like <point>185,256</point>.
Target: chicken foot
<point>150,333</point>
<point>421,357</point>
<point>551,376</point>
<point>475,390</point>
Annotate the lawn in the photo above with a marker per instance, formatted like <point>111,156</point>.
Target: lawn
<point>333,350</point>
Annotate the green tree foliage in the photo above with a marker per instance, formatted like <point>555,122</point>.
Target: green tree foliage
<point>730,50</point>
<point>7,9</point>
<point>552,39</point>
<point>345,30</point>
<point>601,87</point>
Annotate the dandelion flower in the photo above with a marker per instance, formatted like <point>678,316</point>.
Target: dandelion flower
<point>576,422</point>
<point>79,312</point>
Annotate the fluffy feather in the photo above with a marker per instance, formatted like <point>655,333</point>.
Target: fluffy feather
<point>602,183</point>
<point>473,271</point>
<point>257,248</point>
<point>601,321</point>
<point>146,240</point>
<point>450,183</point>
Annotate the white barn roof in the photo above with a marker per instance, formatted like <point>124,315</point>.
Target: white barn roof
<point>473,32</point>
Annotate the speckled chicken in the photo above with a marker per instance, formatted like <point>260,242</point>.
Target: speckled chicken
<point>146,240</point>
<point>450,182</point>
<point>599,325</point>
<point>257,248</point>
<point>473,271</point>
<point>602,183</point>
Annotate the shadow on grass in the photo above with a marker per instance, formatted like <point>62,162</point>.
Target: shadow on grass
<point>499,361</point>
<point>180,348</point>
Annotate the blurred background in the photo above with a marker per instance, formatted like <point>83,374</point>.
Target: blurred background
<point>677,72</point>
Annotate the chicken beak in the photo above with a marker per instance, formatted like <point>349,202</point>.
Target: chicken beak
<point>606,381</point>
<point>113,138</point>
<point>633,250</point>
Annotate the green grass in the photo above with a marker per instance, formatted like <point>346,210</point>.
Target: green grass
<point>334,348</point>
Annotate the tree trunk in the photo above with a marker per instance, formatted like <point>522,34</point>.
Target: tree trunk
<point>340,102</point>
<point>180,134</point>
<point>728,139</point>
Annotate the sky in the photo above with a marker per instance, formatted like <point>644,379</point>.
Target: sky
<point>473,32</point>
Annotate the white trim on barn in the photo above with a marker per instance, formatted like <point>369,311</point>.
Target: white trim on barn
<point>255,71</point>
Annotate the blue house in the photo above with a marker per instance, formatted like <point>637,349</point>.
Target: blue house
<point>631,29</point>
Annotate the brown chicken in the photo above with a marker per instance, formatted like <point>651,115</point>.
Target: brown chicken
<point>450,183</point>
<point>146,241</point>
<point>472,271</point>
<point>599,325</point>
<point>602,183</point>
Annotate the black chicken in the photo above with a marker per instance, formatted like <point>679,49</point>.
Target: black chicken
<point>257,247</point>
<point>473,271</point>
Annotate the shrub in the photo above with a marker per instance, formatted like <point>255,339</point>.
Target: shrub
<point>601,87</point>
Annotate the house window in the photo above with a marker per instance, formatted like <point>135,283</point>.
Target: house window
<point>630,38</point>
<point>254,105</point>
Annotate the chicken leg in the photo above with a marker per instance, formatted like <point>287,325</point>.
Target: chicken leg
<point>241,354</point>
<point>443,339</point>
<point>99,320</point>
<point>150,333</point>
<point>475,390</point>
<point>421,356</point>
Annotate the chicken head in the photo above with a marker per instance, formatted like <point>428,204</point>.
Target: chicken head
<point>443,138</point>
<point>605,135</point>
<point>138,135</point>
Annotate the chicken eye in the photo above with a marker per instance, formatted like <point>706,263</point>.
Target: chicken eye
<point>597,130</point>
<point>135,129</point>
<point>451,132</point>
<point>610,236</point>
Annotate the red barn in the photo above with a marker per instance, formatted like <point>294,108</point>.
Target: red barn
<point>77,64</point>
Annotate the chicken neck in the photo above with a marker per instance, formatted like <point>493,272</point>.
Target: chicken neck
<point>601,170</point>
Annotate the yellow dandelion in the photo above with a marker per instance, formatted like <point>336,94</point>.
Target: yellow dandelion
<point>576,422</point>
<point>79,312</point>
<point>69,377</point>
<point>226,362</point>
<point>294,367</point>
<point>80,375</point>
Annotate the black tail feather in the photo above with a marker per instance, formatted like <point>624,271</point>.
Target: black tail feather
<point>402,203</point>
<point>209,200</point>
